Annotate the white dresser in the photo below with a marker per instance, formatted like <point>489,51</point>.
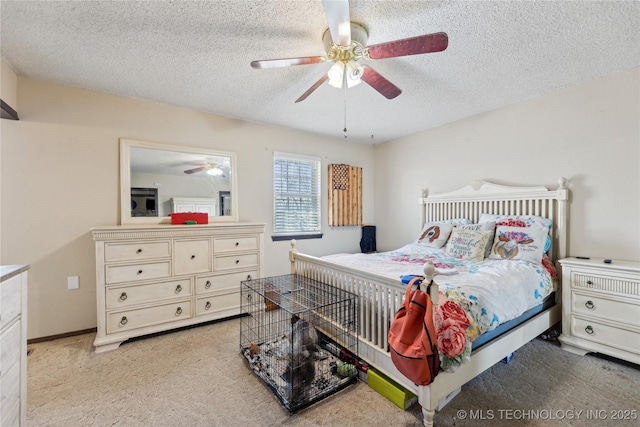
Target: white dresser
<point>601,307</point>
<point>13,345</point>
<point>153,278</point>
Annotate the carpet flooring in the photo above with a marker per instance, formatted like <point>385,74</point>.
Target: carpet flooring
<point>197,377</point>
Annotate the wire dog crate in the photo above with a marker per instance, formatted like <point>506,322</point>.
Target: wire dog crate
<point>298,336</point>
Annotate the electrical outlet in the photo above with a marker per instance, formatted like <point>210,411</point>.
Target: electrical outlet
<point>73,282</point>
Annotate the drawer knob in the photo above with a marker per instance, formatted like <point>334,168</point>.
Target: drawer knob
<point>123,321</point>
<point>139,271</point>
<point>123,296</point>
<point>237,261</point>
<point>193,257</point>
<point>178,289</point>
<point>179,311</point>
<point>237,243</point>
<point>207,285</point>
<point>589,282</point>
<point>139,251</point>
<point>589,305</point>
<point>589,330</point>
<point>207,306</point>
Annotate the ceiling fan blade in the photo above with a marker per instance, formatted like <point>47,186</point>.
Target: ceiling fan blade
<point>287,62</point>
<point>201,168</point>
<point>315,86</point>
<point>379,83</point>
<point>339,20</point>
<point>428,43</point>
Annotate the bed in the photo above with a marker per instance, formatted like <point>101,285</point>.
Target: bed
<point>380,293</point>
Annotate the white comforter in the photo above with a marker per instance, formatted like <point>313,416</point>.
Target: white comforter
<point>490,292</point>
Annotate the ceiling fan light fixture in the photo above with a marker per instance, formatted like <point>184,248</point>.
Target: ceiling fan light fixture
<point>354,72</point>
<point>335,74</point>
<point>215,171</point>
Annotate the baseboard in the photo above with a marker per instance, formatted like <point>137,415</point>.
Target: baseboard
<point>58,336</point>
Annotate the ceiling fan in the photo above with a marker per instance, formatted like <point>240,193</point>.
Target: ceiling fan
<point>345,42</point>
<point>210,168</point>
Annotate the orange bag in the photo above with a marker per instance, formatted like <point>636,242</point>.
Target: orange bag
<point>412,337</point>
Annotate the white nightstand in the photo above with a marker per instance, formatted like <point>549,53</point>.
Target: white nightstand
<point>601,307</point>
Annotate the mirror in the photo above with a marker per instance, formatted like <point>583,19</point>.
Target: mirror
<point>157,179</point>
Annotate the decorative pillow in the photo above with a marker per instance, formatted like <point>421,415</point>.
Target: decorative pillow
<point>519,221</point>
<point>467,243</point>
<point>434,235</point>
<point>524,243</point>
<point>485,226</point>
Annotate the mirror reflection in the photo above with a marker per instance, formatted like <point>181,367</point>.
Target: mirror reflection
<point>160,180</point>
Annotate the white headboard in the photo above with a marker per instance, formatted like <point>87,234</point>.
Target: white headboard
<point>484,197</point>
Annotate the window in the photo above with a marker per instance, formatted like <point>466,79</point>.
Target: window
<point>296,196</point>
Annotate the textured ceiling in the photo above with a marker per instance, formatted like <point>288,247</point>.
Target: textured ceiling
<point>197,54</point>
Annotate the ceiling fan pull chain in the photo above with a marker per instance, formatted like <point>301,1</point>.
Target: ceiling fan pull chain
<point>345,105</point>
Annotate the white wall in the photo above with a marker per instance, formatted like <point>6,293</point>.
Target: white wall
<point>589,134</point>
<point>59,177</point>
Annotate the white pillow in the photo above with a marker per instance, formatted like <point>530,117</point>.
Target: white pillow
<point>485,226</point>
<point>467,243</point>
<point>434,235</point>
<point>519,221</point>
<point>524,243</point>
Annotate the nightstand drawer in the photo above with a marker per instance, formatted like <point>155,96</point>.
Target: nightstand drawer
<point>605,334</point>
<point>587,305</point>
<point>604,282</point>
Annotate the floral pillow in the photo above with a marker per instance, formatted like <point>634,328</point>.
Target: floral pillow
<point>434,234</point>
<point>524,243</point>
<point>467,243</point>
<point>520,221</point>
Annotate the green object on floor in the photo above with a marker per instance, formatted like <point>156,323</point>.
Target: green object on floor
<point>393,391</point>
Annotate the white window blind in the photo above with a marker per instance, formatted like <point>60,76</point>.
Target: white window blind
<point>296,194</point>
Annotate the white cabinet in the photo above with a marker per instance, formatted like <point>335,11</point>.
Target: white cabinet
<point>156,278</point>
<point>13,345</point>
<point>194,204</point>
<point>601,307</point>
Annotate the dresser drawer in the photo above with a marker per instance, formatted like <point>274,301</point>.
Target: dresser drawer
<point>619,311</point>
<point>139,318</point>
<point>223,281</point>
<point>228,303</point>
<point>235,261</point>
<point>10,347</point>
<point>10,386</point>
<point>612,336</point>
<point>234,244</point>
<point>11,297</point>
<point>10,416</point>
<point>124,296</point>
<point>136,272</point>
<point>136,251</point>
<point>192,256</point>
